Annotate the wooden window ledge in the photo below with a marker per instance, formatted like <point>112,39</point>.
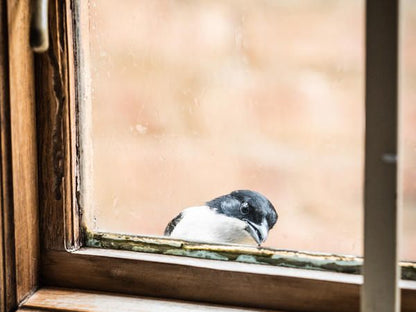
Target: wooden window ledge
<point>59,299</point>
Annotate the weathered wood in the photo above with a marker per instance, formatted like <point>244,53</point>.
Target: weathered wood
<point>200,280</point>
<point>239,253</point>
<point>408,296</point>
<point>2,262</point>
<point>139,273</point>
<point>23,138</point>
<point>7,272</point>
<point>84,111</point>
<point>82,301</point>
<point>72,206</point>
<point>56,136</point>
<point>50,97</point>
<point>231,283</point>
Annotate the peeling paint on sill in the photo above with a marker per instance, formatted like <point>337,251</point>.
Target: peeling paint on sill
<point>240,253</point>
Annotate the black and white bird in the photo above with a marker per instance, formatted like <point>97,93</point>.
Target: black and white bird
<point>241,217</point>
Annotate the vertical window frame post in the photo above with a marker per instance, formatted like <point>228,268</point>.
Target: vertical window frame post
<point>381,271</point>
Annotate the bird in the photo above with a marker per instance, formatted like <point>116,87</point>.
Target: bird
<point>241,217</point>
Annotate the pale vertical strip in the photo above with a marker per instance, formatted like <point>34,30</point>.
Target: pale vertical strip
<point>85,171</point>
<point>380,290</point>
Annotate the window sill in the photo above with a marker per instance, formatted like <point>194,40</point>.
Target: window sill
<point>237,253</point>
<point>54,299</point>
<point>200,280</point>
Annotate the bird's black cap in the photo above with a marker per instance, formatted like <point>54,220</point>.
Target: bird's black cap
<point>258,205</point>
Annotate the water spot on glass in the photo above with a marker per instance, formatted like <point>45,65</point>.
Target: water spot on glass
<point>238,37</point>
<point>141,129</point>
<point>115,201</point>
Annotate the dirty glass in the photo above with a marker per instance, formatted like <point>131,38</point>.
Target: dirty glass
<point>407,137</point>
<point>190,100</point>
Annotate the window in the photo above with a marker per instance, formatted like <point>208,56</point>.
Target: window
<point>57,254</point>
<point>282,115</point>
<point>204,98</point>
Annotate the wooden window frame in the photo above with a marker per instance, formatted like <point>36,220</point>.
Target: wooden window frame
<point>41,240</point>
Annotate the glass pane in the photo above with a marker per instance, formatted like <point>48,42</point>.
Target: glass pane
<point>408,130</point>
<point>193,99</point>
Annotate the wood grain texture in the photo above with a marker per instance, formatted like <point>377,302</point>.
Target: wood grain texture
<point>23,138</point>
<point>55,136</point>
<point>83,301</point>
<point>7,267</point>
<point>408,297</point>
<point>50,153</point>
<point>137,273</point>
<point>199,280</point>
<point>2,262</point>
<point>219,282</point>
<point>72,206</point>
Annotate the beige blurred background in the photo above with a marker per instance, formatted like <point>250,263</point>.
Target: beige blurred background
<point>192,99</point>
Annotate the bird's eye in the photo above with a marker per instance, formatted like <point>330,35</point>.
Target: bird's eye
<point>244,208</point>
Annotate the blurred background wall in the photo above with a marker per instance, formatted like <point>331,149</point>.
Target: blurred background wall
<point>192,99</point>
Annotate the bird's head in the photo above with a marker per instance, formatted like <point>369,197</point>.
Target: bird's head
<point>251,207</point>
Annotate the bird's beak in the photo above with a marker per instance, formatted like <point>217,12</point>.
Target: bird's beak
<point>258,232</point>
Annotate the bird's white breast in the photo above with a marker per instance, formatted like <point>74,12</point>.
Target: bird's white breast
<point>205,225</point>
